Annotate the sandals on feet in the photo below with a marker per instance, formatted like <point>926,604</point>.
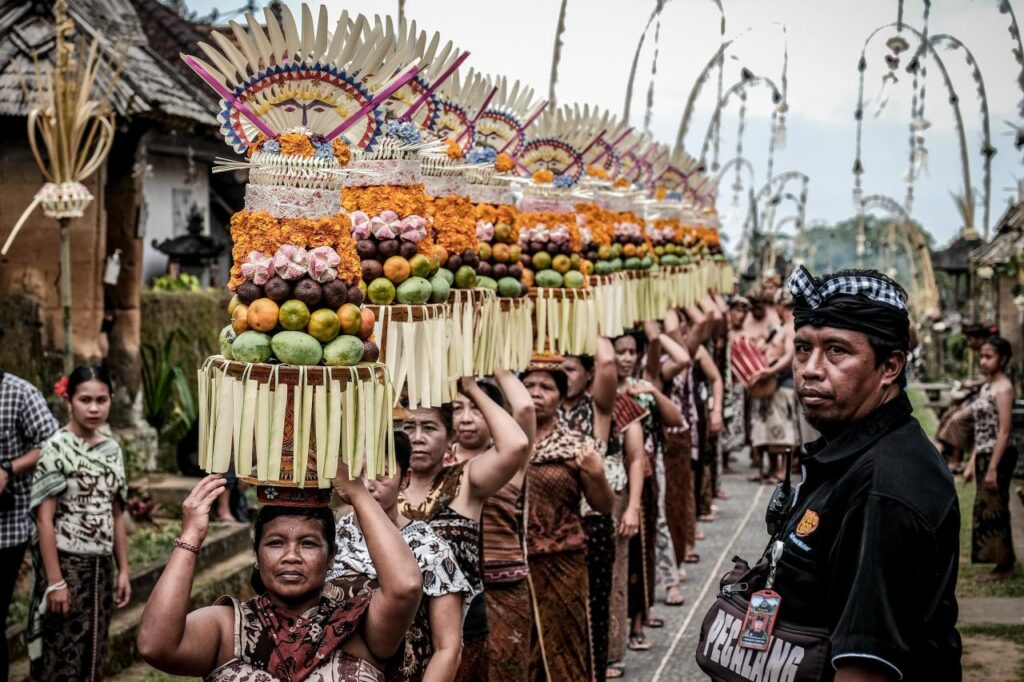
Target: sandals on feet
<point>678,600</point>
<point>614,672</point>
<point>638,643</point>
<point>654,623</point>
<point>691,558</point>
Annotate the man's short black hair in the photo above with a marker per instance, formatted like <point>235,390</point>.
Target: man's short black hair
<point>884,349</point>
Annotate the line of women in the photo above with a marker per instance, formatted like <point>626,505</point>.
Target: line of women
<point>525,535</point>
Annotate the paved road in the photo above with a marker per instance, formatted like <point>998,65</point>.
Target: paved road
<point>739,529</point>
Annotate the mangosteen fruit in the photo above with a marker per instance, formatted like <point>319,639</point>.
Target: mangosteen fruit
<point>372,269</point>
<point>484,269</point>
<point>453,263</point>
<point>355,295</point>
<point>371,353</point>
<point>470,258</point>
<point>335,294</point>
<point>500,270</point>
<point>366,248</point>
<point>309,291</point>
<point>249,292</point>
<point>277,289</point>
<point>387,248</point>
<point>515,271</point>
<point>406,250</point>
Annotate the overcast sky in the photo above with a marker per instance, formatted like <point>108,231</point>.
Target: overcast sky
<point>825,38</point>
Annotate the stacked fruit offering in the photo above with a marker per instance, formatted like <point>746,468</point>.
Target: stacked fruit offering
<point>500,268</point>
<point>550,244</point>
<point>293,307</point>
<point>630,242</point>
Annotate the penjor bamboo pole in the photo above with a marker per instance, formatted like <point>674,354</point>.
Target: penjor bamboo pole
<point>65,291</point>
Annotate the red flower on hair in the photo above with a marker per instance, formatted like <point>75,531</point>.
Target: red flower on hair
<point>61,387</point>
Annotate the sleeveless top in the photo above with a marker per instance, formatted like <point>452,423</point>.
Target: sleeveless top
<point>555,492</point>
<point>505,535</point>
<point>256,646</point>
<point>986,420</point>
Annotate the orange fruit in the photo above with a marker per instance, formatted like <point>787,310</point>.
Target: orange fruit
<point>561,263</point>
<point>351,319</point>
<point>324,325</point>
<point>629,250</point>
<point>397,269</point>
<point>262,315</point>
<point>527,277</point>
<point>240,318</point>
<point>368,319</point>
<point>501,253</point>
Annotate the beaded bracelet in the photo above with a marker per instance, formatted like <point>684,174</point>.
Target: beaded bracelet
<point>178,542</point>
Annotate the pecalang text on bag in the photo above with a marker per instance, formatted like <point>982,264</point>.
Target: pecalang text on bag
<point>780,663</point>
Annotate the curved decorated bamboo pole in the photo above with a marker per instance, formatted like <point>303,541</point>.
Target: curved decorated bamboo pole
<point>556,56</point>
<point>1018,53</point>
<point>966,202</point>
<point>987,150</point>
<point>748,80</point>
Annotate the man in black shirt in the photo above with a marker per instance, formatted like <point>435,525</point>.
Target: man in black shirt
<point>871,542</point>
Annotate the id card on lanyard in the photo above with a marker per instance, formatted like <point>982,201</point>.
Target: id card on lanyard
<point>758,624</point>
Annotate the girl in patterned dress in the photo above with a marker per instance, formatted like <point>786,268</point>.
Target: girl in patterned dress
<point>78,495</point>
<point>993,462</point>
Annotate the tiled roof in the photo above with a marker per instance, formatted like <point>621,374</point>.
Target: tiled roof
<point>148,84</point>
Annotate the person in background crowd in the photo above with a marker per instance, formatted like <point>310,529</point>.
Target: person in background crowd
<point>590,409</point>
<point>775,421</point>
<point>993,461</point>
<point>506,591</point>
<point>680,448</point>
<point>78,496</point>
<point>643,547</point>
<point>665,360</point>
<point>734,413</point>
<point>298,625</point>
<point>451,497</point>
<point>25,424</point>
<point>868,549</point>
<point>433,645</point>
<point>565,469</point>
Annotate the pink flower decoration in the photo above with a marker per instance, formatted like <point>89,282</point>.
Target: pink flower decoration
<point>323,264</point>
<point>362,230</point>
<point>290,262</point>
<point>359,217</point>
<point>388,216</point>
<point>484,231</point>
<point>259,268</point>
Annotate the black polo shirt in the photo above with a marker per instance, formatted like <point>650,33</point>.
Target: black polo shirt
<point>872,548</point>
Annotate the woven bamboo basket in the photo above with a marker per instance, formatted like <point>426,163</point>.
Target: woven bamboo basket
<point>565,321</point>
<point>289,426</point>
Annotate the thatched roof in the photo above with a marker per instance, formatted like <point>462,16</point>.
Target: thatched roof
<point>1009,239</point>
<point>149,85</point>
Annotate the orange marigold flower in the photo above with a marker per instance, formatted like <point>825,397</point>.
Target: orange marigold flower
<point>454,223</point>
<point>660,193</point>
<point>342,154</point>
<point>454,151</point>
<point>599,221</point>
<point>405,201</point>
<point>543,177</point>
<point>255,145</point>
<point>621,183</point>
<point>504,163</point>
<point>595,172</point>
<point>296,144</point>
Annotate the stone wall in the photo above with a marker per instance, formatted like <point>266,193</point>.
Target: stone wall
<point>199,316</point>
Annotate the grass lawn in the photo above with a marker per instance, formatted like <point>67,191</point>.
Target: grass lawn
<point>968,585</point>
<point>929,421</point>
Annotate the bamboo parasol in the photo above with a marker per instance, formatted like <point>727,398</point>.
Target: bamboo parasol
<point>74,124</point>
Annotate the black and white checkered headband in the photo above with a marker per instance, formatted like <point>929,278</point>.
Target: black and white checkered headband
<point>815,292</point>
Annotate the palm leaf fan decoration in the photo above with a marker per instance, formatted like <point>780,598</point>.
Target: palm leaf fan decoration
<point>503,124</point>
<point>301,75</point>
